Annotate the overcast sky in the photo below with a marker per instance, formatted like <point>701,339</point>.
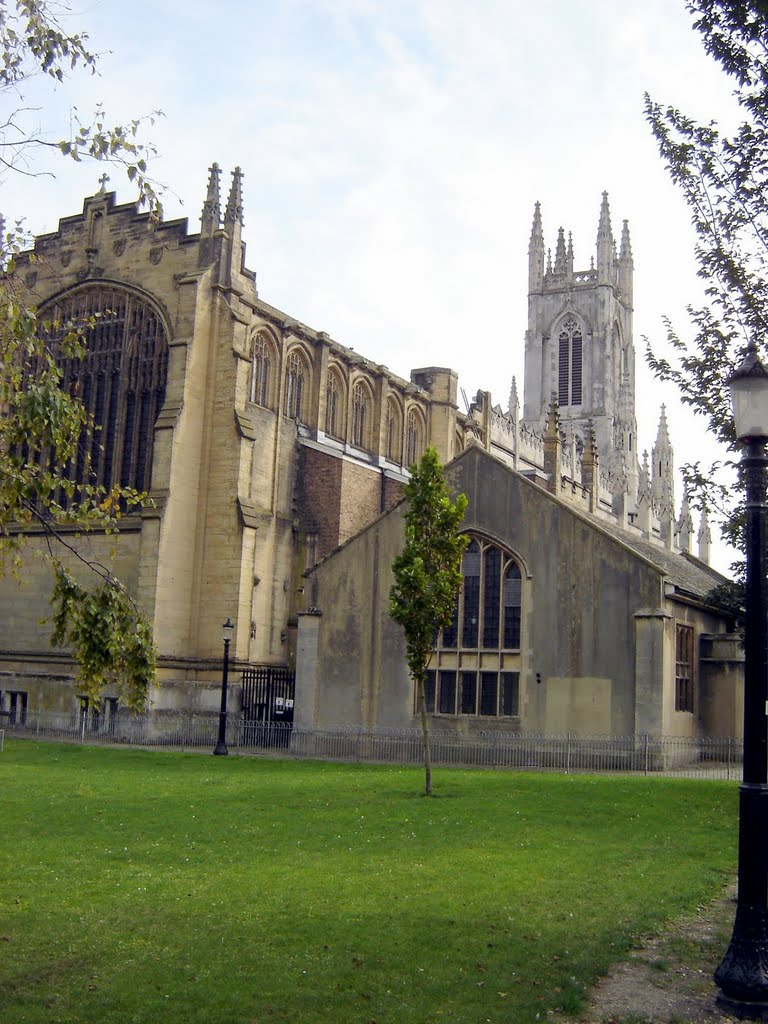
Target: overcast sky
<point>393,152</point>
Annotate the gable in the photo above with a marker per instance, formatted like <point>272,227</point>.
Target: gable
<point>502,501</point>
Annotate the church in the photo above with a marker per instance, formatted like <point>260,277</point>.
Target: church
<point>274,459</point>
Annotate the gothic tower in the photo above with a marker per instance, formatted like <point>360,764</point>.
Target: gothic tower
<point>578,346</point>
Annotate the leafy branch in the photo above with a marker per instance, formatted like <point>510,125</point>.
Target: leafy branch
<point>723,177</point>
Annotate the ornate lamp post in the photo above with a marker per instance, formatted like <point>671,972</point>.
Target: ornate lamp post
<point>221,746</point>
<point>743,974</point>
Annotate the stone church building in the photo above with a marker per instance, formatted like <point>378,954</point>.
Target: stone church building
<point>268,448</point>
<point>584,608</point>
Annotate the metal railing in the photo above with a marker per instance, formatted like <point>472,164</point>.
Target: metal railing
<point>703,757</point>
<point>716,758</point>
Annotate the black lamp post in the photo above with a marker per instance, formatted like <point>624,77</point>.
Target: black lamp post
<point>743,974</point>
<point>221,746</point>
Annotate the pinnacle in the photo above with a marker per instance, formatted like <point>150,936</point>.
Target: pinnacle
<point>560,254</point>
<point>625,253</point>
<point>537,233</point>
<point>604,232</point>
<point>234,211</point>
<point>211,216</point>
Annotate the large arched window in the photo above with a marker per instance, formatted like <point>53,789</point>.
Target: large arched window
<point>569,389</point>
<point>263,364</point>
<point>334,406</point>
<point>361,415</point>
<point>394,432</point>
<point>414,438</point>
<point>295,385</point>
<point>477,657</point>
<point>120,380</point>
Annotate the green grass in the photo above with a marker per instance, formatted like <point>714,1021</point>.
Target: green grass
<point>188,889</point>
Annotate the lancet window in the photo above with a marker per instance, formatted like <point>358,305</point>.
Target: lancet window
<point>334,410</point>
<point>261,371</point>
<point>414,439</point>
<point>295,386</point>
<point>394,437</point>
<point>361,413</point>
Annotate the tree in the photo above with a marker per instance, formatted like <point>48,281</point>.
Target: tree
<point>42,423</point>
<point>724,180</point>
<point>33,42</point>
<point>427,574</point>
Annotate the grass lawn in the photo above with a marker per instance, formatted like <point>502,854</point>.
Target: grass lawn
<point>186,889</point>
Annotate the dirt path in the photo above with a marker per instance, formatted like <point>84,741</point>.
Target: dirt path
<point>669,979</point>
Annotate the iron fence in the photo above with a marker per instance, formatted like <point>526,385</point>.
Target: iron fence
<point>704,757</point>
<point>716,758</point>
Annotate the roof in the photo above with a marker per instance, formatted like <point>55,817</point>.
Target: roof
<point>686,572</point>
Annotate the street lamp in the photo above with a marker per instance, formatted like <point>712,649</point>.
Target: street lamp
<point>743,974</point>
<point>221,746</point>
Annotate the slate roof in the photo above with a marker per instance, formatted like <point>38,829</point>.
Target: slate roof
<point>686,572</point>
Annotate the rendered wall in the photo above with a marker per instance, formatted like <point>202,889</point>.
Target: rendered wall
<point>585,588</point>
<point>593,620</point>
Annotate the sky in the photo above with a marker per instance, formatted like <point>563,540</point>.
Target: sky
<point>393,152</point>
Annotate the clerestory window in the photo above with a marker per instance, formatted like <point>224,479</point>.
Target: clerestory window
<point>334,411</point>
<point>394,444</point>
<point>414,439</point>
<point>294,386</point>
<point>261,371</point>
<point>360,416</point>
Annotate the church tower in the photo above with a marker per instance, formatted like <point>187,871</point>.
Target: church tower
<point>578,346</point>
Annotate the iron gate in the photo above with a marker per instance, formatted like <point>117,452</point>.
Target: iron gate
<point>267,705</point>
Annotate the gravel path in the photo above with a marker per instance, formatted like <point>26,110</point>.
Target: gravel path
<point>668,980</point>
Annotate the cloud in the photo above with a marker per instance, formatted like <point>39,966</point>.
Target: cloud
<point>393,152</point>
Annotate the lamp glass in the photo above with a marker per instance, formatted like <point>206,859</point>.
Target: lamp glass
<point>227,629</point>
<point>749,398</point>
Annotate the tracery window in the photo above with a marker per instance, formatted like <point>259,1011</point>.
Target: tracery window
<point>294,386</point>
<point>569,390</point>
<point>120,380</point>
<point>360,415</point>
<point>414,439</point>
<point>394,444</point>
<point>334,412</point>
<point>477,670</point>
<point>261,371</point>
